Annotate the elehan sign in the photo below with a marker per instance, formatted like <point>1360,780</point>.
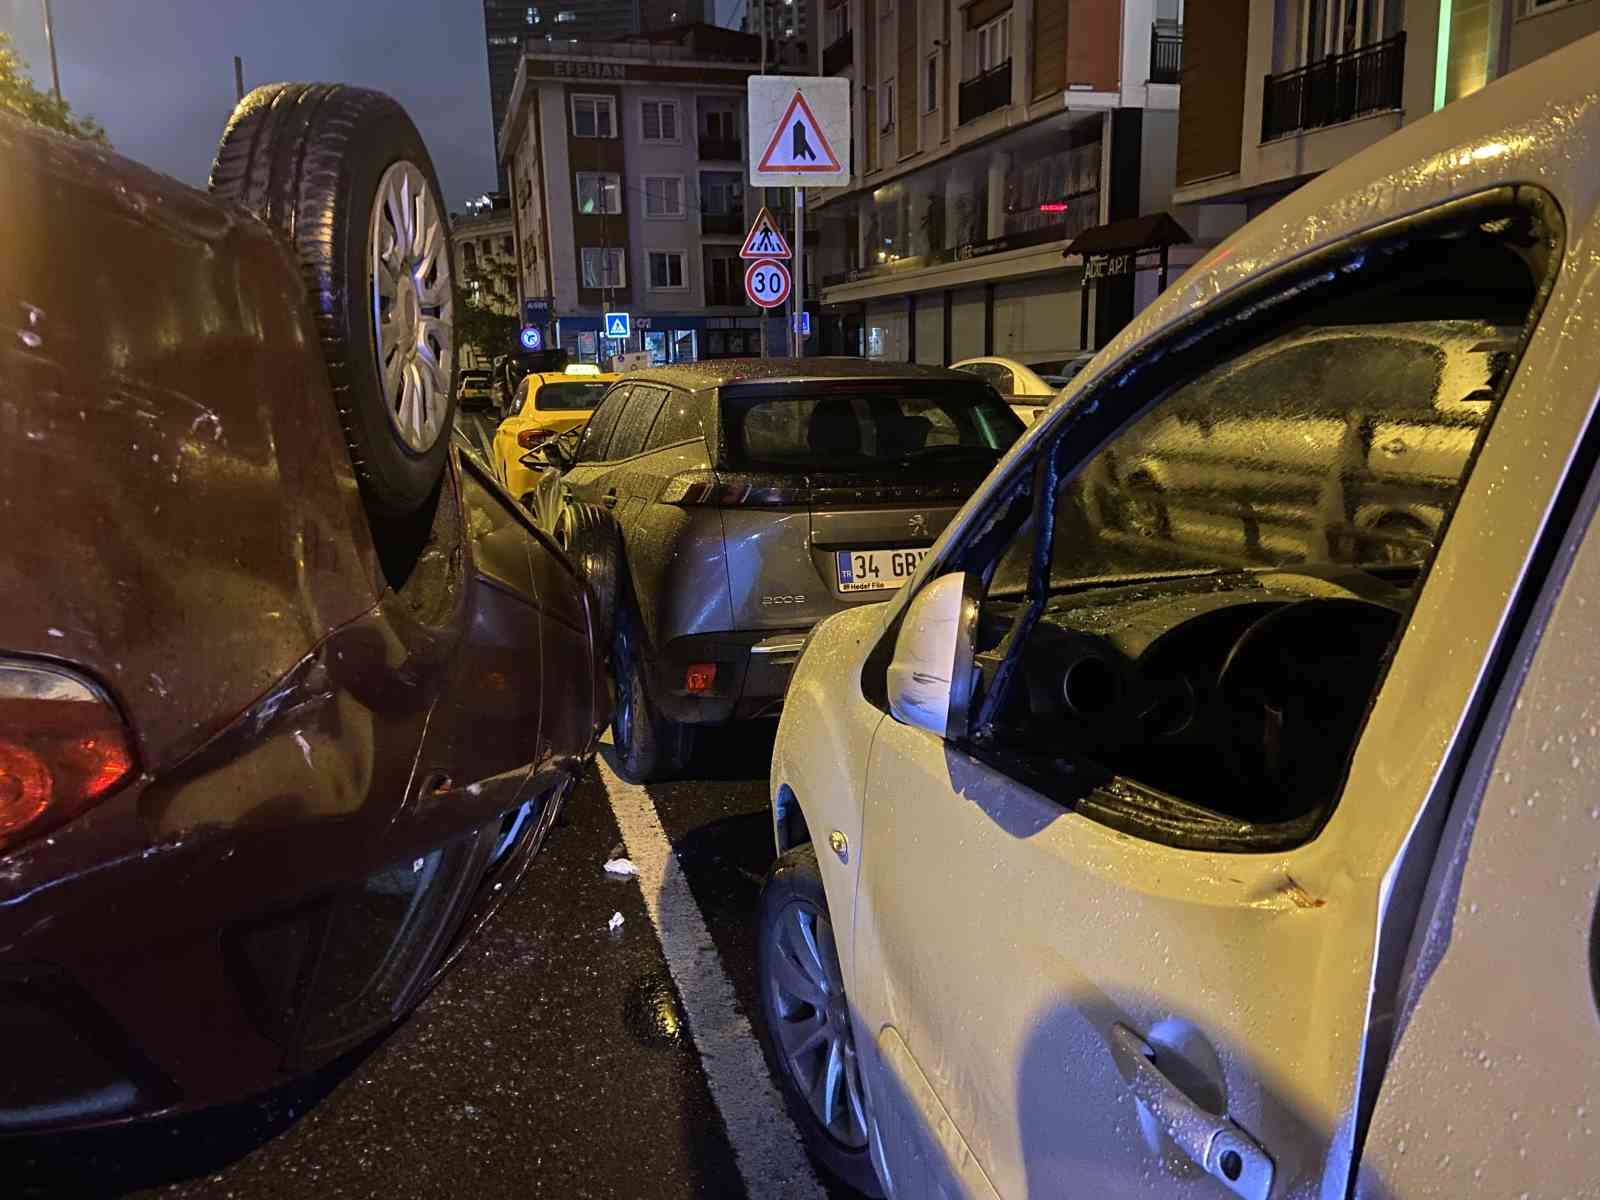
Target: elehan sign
<point>799,131</point>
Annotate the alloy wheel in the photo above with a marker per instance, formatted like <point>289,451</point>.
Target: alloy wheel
<point>412,305</point>
<point>811,1022</point>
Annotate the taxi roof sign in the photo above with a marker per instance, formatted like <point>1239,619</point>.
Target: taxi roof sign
<point>765,239</point>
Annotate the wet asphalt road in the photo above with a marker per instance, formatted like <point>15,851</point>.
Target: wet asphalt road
<point>554,1060</point>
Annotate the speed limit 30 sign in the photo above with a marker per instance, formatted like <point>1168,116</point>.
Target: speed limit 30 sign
<point>767,283</point>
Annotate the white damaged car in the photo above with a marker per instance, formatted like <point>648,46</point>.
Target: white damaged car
<point>1245,845</point>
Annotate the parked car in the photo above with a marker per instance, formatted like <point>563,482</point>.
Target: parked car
<point>290,689</point>
<point>545,404</point>
<point>1029,386</point>
<point>476,392</point>
<point>721,509</point>
<point>1241,853</point>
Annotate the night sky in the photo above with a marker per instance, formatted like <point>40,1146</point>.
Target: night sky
<point>158,74</point>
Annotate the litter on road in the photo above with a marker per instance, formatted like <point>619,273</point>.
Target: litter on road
<point>623,868</point>
<point>615,923</point>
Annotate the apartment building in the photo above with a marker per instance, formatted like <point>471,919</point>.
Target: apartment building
<point>988,136</point>
<point>507,24</point>
<point>1277,91</point>
<point>486,261</point>
<point>627,167</point>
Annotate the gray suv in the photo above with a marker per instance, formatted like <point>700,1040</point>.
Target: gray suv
<point>721,509</point>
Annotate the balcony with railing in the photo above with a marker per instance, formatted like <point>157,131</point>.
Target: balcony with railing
<point>728,224</point>
<point>718,149</point>
<point>1336,89</point>
<point>1166,53</point>
<point>839,53</point>
<point>984,93</point>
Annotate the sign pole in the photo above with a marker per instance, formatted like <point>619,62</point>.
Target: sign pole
<point>797,338</point>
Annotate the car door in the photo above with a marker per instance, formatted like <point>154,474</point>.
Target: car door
<point>1072,981</point>
<point>586,478</point>
<point>1503,1020</point>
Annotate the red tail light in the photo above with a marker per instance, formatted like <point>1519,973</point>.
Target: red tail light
<point>529,438</point>
<point>62,747</point>
<point>700,677</point>
<point>720,490</point>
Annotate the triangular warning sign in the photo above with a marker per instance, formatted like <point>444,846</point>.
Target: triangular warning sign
<point>765,239</point>
<point>798,144</point>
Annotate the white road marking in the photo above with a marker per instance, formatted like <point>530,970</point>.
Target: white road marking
<point>772,1162</point>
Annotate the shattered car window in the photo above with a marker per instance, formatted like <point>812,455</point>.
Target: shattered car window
<point>1330,444</point>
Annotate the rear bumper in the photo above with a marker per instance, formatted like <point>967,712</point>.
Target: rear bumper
<point>752,674</point>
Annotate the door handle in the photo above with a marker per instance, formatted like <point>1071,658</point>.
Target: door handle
<point>1220,1147</point>
<point>610,498</point>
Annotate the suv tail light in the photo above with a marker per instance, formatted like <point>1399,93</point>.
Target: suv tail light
<point>62,747</point>
<point>720,490</point>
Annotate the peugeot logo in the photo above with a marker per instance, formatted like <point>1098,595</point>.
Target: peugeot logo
<point>918,523</point>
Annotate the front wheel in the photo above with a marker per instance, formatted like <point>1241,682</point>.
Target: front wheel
<point>806,1020</point>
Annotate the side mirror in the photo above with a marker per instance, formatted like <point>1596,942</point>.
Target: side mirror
<point>934,669</point>
<point>555,453</point>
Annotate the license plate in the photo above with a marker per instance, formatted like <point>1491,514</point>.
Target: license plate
<point>876,570</point>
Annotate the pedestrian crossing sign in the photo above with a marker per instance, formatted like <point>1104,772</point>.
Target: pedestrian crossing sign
<point>617,325</point>
<point>765,239</point>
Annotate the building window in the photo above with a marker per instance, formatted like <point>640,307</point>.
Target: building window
<point>994,43</point>
<point>469,255</point>
<point>604,267</point>
<point>930,83</point>
<point>663,195</point>
<point>599,192</point>
<point>721,194</point>
<point>838,22</point>
<point>594,116</point>
<point>660,120</point>
<point>721,125</point>
<point>1338,26</point>
<point>507,246</point>
<point>886,105</point>
<point>724,279</point>
<point>564,17</point>
<point>666,269</point>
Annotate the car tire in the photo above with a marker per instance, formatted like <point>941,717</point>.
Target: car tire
<point>343,174</point>
<point>793,893</point>
<point>649,746</point>
<point>591,539</point>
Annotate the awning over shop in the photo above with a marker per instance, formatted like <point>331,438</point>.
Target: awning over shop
<point>1111,254</point>
<point>1129,236</point>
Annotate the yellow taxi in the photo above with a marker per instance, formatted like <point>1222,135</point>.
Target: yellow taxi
<point>545,403</point>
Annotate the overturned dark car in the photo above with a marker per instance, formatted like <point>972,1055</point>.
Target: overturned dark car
<point>290,689</point>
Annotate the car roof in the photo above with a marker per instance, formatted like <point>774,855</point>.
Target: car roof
<point>719,372</point>
<point>1529,126</point>
<point>545,377</point>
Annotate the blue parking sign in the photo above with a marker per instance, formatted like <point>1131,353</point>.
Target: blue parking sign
<point>618,325</point>
<point>531,338</point>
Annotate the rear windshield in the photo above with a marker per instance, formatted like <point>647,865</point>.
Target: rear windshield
<point>1058,372</point>
<point>569,397</point>
<point>852,428</point>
